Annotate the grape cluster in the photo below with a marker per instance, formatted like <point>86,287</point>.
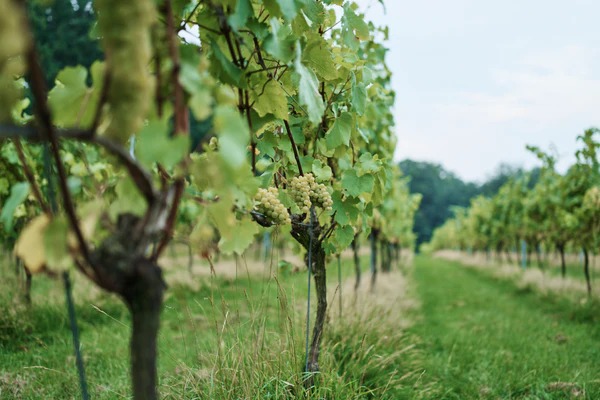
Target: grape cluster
<point>13,42</point>
<point>321,197</point>
<point>591,198</point>
<point>128,51</point>
<point>213,144</point>
<point>299,188</point>
<point>269,205</point>
<point>305,191</point>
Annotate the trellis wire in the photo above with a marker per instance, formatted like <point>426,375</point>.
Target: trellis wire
<point>75,331</point>
<point>339,260</point>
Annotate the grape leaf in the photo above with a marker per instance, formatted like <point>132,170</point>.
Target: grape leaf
<point>339,134</point>
<point>154,145</point>
<point>356,23</point>
<point>346,210</point>
<point>321,171</point>
<point>356,185</point>
<point>317,56</point>
<point>272,100</point>
<point>18,194</point>
<point>30,244</point>
<point>233,135</point>
<point>243,11</point>
<point>359,96</point>
<point>342,237</point>
<point>282,8</point>
<point>226,69</point>
<point>280,43</point>
<point>238,240</point>
<point>201,104</point>
<point>71,101</point>
<point>368,164</point>
<point>308,89</point>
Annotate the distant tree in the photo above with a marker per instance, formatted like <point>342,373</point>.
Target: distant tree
<point>62,31</point>
<point>441,191</point>
<point>505,172</point>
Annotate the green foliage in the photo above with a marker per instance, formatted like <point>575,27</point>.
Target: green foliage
<point>18,194</point>
<point>62,30</point>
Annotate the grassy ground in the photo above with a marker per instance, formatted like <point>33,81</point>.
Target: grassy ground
<point>483,338</point>
<point>239,336</point>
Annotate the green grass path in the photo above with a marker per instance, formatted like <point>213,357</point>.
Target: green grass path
<point>482,338</point>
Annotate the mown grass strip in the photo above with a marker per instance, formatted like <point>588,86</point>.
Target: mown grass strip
<point>482,338</point>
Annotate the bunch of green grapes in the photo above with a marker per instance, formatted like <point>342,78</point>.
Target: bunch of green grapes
<point>591,199</point>
<point>268,204</point>
<point>13,43</point>
<point>305,191</point>
<point>299,189</point>
<point>126,37</point>
<point>321,197</point>
<point>213,144</point>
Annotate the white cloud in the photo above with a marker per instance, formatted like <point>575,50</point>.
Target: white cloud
<point>477,81</point>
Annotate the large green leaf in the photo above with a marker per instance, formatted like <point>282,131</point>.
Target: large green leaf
<point>154,145</point>
<point>308,89</point>
<point>342,237</point>
<point>340,132</point>
<point>71,101</point>
<point>225,69</point>
<point>280,43</point>
<point>317,56</point>
<point>356,185</point>
<point>272,100</point>
<point>238,240</point>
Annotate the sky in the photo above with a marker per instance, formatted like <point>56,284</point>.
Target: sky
<point>476,81</point>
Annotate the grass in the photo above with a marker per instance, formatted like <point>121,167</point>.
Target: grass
<point>236,337</point>
<point>486,339</point>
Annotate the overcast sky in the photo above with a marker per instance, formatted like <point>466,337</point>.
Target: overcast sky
<point>477,80</point>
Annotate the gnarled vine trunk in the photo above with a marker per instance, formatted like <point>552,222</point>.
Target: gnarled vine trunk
<point>319,275</point>
<point>144,297</point>
<point>308,235</point>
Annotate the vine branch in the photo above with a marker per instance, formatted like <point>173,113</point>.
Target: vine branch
<point>294,147</point>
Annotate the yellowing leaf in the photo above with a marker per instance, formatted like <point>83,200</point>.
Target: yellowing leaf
<point>273,100</point>
<point>318,56</point>
<point>30,245</point>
